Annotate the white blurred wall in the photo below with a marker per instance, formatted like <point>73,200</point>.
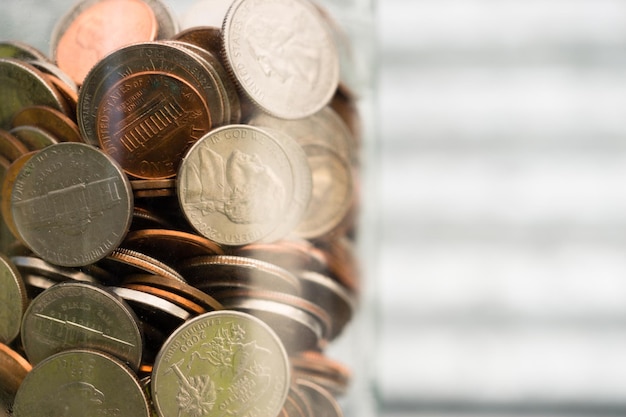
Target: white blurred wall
<point>503,256</point>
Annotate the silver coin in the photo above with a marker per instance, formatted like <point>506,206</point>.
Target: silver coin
<point>73,315</point>
<point>72,204</point>
<point>13,300</point>
<point>78,383</point>
<point>236,184</point>
<point>283,55</point>
<point>221,363</point>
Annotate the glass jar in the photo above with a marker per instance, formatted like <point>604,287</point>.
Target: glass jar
<point>185,207</point>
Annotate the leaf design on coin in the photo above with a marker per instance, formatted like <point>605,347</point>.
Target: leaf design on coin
<point>196,394</point>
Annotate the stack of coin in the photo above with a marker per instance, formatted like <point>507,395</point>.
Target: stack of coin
<point>178,214</point>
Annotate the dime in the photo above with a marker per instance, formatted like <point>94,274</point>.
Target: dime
<point>13,369</point>
<point>221,363</point>
<point>22,85</point>
<point>13,300</point>
<point>283,55</point>
<point>50,120</point>
<point>236,184</point>
<point>100,29</point>
<point>72,204</point>
<point>80,383</point>
<point>147,121</point>
<point>81,315</point>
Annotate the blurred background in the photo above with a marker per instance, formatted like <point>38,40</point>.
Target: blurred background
<point>500,261</point>
<point>502,271</point>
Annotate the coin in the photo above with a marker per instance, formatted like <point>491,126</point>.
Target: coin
<point>176,287</point>
<point>20,50</point>
<point>152,57</point>
<point>282,54</point>
<point>211,273</point>
<point>13,300</point>
<point>13,369</point>
<point>72,315</point>
<point>319,368</point>
<point>34,138</point>
<point>33,265</point>
<point>11,147</point>
<point>322,402</point>
<point>80,383</point>
<point>300,324</point>
<point>72,204</point>
<point>7,188</point>
<point>100,29</point>
<point>221,363</point>
<point>293,255</point>
<point>147,121</point>
<point>208,38</point>
<point>251,189</point>
<point>332,193</point>
<point>171,246</point>
<point>50,120</point>
<point>22,85</point>
<point>126,261</point>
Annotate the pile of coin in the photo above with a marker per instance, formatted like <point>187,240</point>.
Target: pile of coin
<point>178,214</point>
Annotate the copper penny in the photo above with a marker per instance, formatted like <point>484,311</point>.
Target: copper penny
<point>101,29</point>
<point>148,120</point>
<point>11,147</point>
<point>13,369</point>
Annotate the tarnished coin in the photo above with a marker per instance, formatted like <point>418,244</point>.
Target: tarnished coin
<point>208,38</point>
<point>283,55</point>
<point>221,363</point>
<point>147,121</point>
<point>22,85</point>
<point>13,369</point>
<point>7,188</point>
<point>73,315</point>
<point>99,29</point>
<point>236,184</point>
<point>20,50</point>
<point>33,137</point>
<point>71,204</point>
<point>11,147</point>
<point>78,383</point>
<point>13,300</point>
<point>50,120</point>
